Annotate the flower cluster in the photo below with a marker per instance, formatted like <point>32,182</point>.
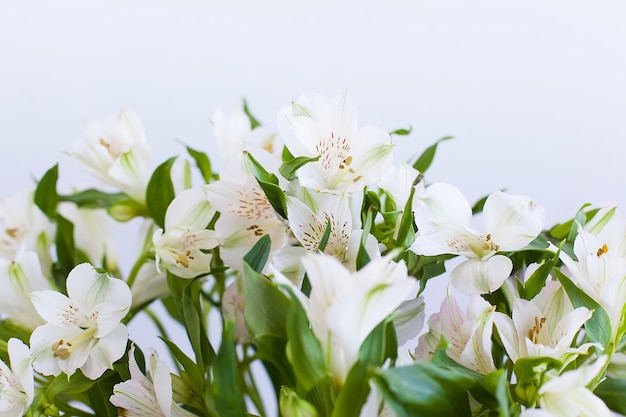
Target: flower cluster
<point>314,249</point>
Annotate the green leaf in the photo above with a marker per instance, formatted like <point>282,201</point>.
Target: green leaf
<point>228,396</point>
<point>203,163</point>
<point>562,231</point>
<point>286,155</point>
<point>497,384</point>
<point>478,206</point>
<point>303,344</point>
<point>381,344</point>
<point>269,183</point>
<point>426,158</point>
<point>288,169</point>
<point>195,325</point>
<point>324,240</point>
<point>194,373</point>
<point>99,395</point>
<point>46,197</point>
<point>354,392</point>
<point>258,255</point>
<point>160,192</point>
<point>529,375</point>
<point>64,385</point>
<point>613,393</point>
<point>598,327</point>
<point>537,280</point>
<point>266,305</point>
<point>362,257</point>
<point>254,123</point>
<point>426,389</point>
<point>92,198</point>
<point>402,132</point>
<point>65,249</point>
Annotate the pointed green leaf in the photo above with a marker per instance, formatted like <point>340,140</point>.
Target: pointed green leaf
<point>46,197</point>
<point>402,132</point>
<point>160,191</point>
<point>598,327</point>
<point>288,169</point>
<point>228,396</point>
<point>426,158</point>
<point>254,123</point>
<point>257,257</point>
<point>203,163</point>
<point>303,344</point>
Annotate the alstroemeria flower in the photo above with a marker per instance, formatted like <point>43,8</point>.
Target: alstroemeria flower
<point>544,326</point>
<point>308,225</point>
<point>93,234</point>
<point>443,216</point>
<point>182,247</point>
<point>567,395</point>
<point>83,330</point>
<point>234,137</point>
<point>17,385</point>
<point>23,227</point>
<point>600,273</point>
<point>117,153</point>
<point>147,395</point>
<point>344,307</point>
<point>468,335</point>
<point>349,157</point>
<point>245,215</point>
<point>18,279</point>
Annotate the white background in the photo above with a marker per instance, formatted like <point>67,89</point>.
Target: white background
<point>533,91</point>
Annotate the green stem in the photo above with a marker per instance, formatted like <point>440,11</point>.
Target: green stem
<point>146,256</point>
<point>251,387</point>
<point>162,331</point>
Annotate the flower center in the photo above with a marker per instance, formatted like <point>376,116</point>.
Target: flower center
<point>533,333</point>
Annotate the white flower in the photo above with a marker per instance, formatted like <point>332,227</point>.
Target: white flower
<point>93,234</point>
<point>468,335</point>
<point>443,218</point>
<point>349,157</point>
<point>245,215</point>
<point>23,227</point>
<point>150,283</point>
<point>544,326</point>
<point>147,395</point>
<point>567,395</point>
<point>235,137</point>
<point>84,330</point>
<point>309,228</point>
<point>18,279</point>
<point>344,306</point>
<point>117,153</point>
<point>600,271</point>
<point>182,247</point>
<point>16,383</point>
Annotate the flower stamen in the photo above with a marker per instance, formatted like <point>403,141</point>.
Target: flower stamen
<point>602,250</point>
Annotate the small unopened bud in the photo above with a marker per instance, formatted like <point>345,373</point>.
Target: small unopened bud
<point>293,406</point>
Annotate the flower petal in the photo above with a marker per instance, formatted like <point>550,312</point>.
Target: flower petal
<point>474,276</point>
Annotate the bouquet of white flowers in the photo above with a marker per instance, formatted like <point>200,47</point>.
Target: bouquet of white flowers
<point>298,274</point>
